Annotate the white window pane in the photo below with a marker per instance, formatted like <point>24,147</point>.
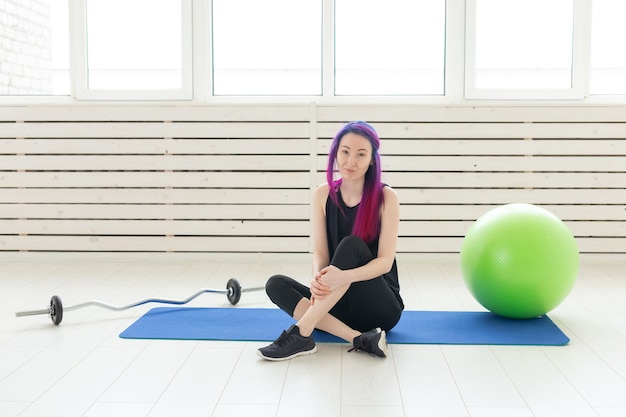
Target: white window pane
<point>34,48</point>
<point>395,47</point>
<point>608,61</point>
<point>524,44</point>
<point>134,44</point>
<point>271,47</point>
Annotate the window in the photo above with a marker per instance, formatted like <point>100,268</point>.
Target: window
<point>520,48</point>
<point>128,49</point>
<point>271,47</point>
<point>439,51</point>
<point>608,62</point>
<point>396,47</point>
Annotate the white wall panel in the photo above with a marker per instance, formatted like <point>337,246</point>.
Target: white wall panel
<point>239,178</point>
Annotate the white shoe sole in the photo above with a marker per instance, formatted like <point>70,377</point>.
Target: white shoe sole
<point>382,342</point>
<point>286,358</point>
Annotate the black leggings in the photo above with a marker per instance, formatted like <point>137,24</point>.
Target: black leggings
<point>365,306</point>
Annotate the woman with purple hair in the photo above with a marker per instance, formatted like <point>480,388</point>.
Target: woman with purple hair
<point>354,293</point>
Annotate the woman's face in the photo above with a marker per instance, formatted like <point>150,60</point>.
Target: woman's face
<point>354,156</point>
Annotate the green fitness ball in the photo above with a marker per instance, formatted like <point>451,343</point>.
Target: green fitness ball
<point>519,261</point>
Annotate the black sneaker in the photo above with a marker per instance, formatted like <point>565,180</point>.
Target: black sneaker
<point>289,345</point>
<point>373,342</point>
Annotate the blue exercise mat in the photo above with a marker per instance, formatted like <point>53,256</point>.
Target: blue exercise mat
<point>266,324</point>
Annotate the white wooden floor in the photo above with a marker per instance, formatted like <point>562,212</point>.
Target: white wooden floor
<point>82,367</point>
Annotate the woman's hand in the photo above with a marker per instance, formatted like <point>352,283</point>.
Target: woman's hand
<point>333,277</point>
<point>319,290</point>
<point>326,281</point>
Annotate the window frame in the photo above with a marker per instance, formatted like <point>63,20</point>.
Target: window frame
<point>79,68</point>
<point>580,56</point>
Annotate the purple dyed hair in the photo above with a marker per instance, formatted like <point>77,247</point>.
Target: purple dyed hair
<point>367,222</point>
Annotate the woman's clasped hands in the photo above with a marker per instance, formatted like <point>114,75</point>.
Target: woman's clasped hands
<point>326,281</point>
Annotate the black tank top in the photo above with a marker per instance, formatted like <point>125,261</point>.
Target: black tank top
<point>339,225</point>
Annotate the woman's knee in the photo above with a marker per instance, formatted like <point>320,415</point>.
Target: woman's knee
<point>351,252</point>
<point>352,242</point>
<point>275,285</point>
<point>285,292</point>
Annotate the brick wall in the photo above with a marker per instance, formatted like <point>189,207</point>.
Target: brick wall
<point>25,47</point>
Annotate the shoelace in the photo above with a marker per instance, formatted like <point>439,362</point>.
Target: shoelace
<point>366,344</point>
<point>358,345</point>
<point>354,349</point>
<point>284,339</point>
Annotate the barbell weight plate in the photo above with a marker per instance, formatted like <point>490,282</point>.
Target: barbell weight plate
<point>56,310</point>
<point>234,291</point>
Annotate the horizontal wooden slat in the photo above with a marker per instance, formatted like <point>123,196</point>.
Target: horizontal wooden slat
<point>245,244</point>
<point>393,112</point>
<point>155,196</point>
<point>302,130</point>
<point>454,244</point>
<point>155,179</point>
<point>418,163</point>
<point>597,228</point>
<point>129,112</point>
<point>301,179</point>
<point>375,113</point>
<point>150,211</point>
<point>537,147</point>
<point>297,162</point>
<point>503,196</point>
<point>500,146</point>
<point>407,196</point>
<point>138,146</point>
<point>255,228</point>
<point>436,228</point>
<point>65,130</point>
<point>283,244</point>
<point>155,162</point>
<point>472,212</point>
<point>215,228</point>
<point>505,180</point>
<point>489,130</point>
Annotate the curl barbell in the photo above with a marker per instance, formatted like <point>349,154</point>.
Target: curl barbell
<point>233,293</point>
